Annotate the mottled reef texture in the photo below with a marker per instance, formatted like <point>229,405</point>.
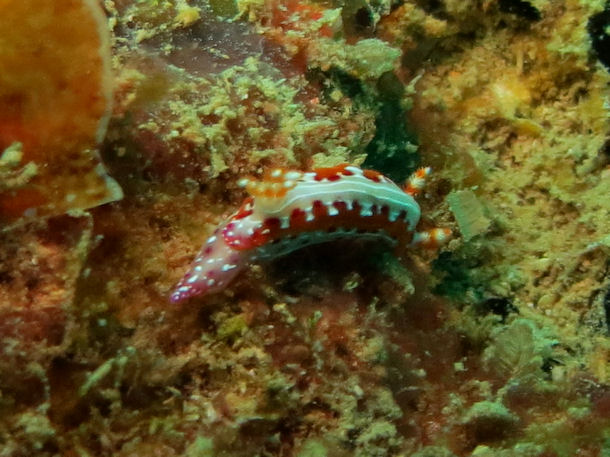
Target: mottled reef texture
<point>55,96</point>
<point>496,346</point>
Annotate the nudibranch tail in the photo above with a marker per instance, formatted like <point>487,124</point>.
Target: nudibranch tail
<point>215,266</point>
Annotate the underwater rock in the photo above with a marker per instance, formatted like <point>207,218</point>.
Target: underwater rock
<point>39,266</point>
<point>487,422</point>
<point>55,98</point>
<point>340,353</point>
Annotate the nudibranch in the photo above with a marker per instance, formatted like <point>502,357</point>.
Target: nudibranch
<point>290,209</point>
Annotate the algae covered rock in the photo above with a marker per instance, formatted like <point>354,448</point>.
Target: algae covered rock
<point>55,99</point>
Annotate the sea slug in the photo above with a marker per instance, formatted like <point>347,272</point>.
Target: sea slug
<point>290,209</point>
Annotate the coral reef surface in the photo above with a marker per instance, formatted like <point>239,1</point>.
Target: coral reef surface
<point>497,345</point>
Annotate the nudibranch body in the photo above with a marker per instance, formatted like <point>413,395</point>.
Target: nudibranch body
<point>290,209</point>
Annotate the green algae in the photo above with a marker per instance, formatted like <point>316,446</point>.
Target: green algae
<point>13,173</point>
<point>37,428</point>
<point>378,438</point>
<point>367,60</point>
<point>231,327</point>
<point>469,213</point>
<point>224,8</point>
<point>433,451</point>
<point>518,350</point>
<point>115,365</point>
<point>468,274</point>
<point>490,415</point>
<point>237,107</point>
<point>313,448</point>
<point>201,447</point>
<point>519,450</point>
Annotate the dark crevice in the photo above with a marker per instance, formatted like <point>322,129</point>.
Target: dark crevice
<point>500,306</point>
<point>606,304</point>
<point>520,8</point>
<point>392,151</point>
<point>598,28</point>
